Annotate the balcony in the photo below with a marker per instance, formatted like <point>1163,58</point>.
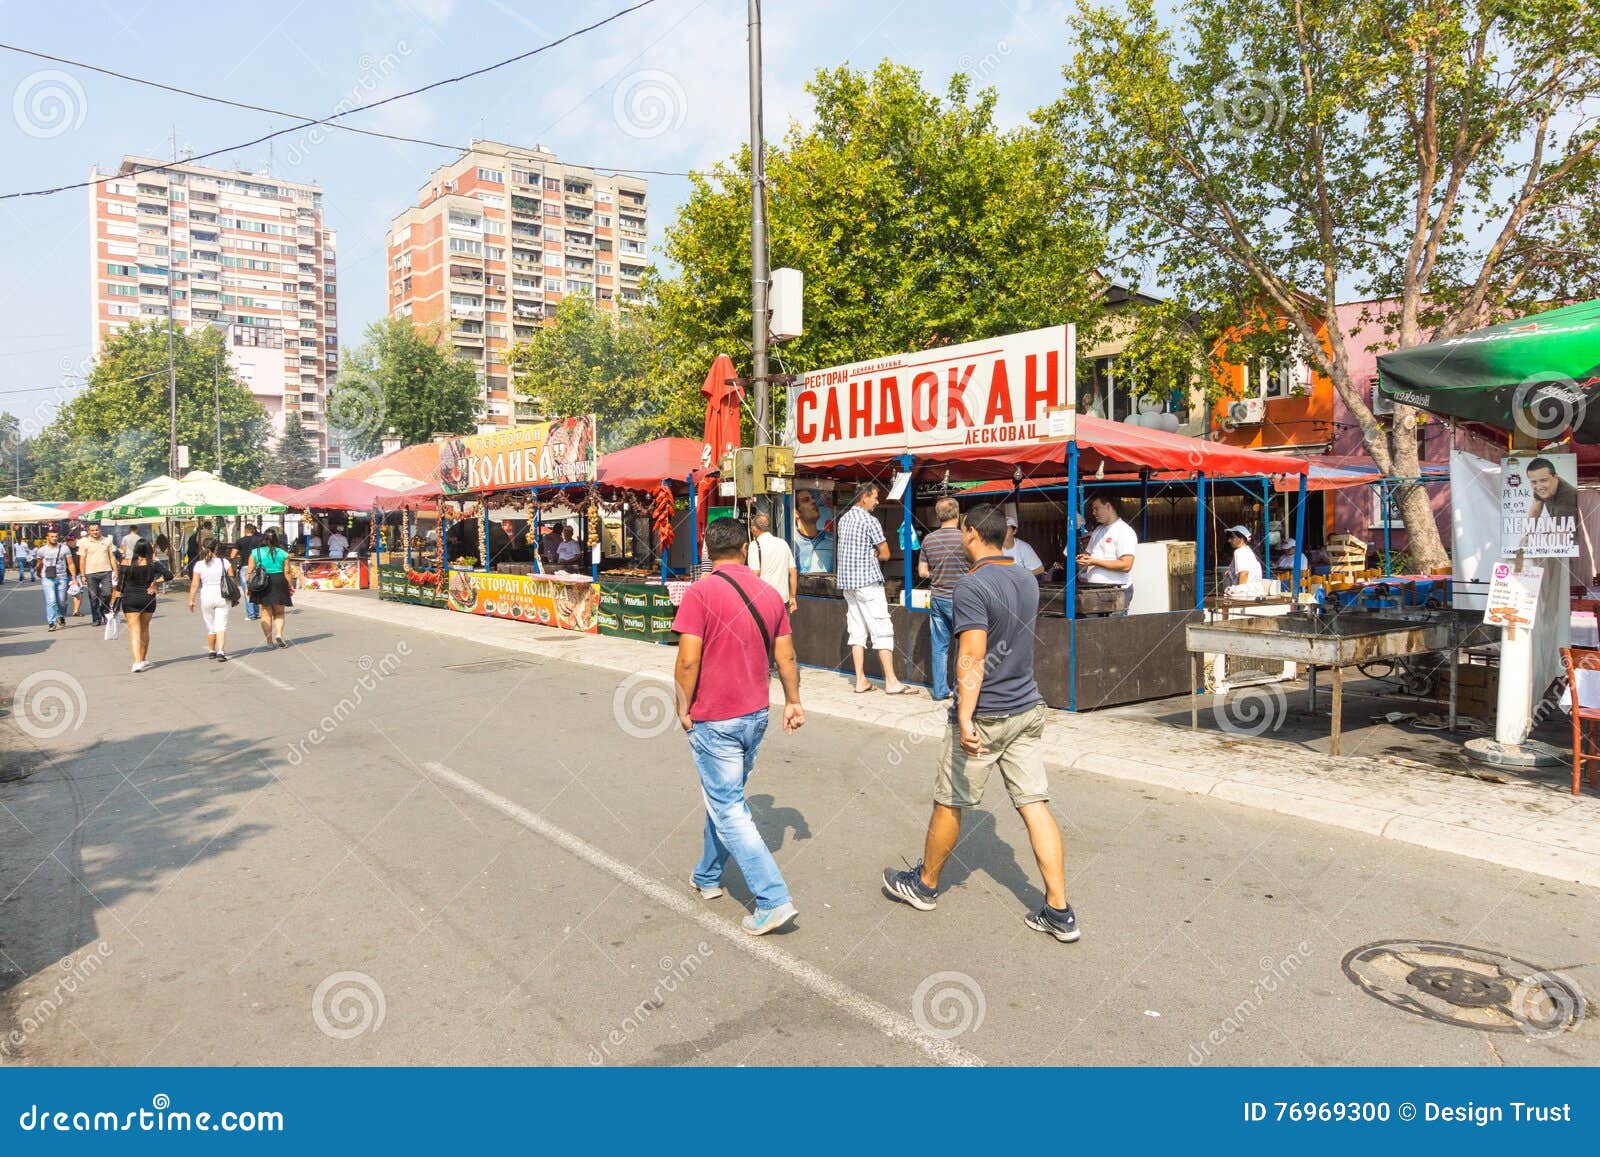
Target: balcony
<point>471,311</point>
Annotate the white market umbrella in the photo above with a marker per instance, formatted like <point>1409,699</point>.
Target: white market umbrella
<point>199,494</point>
<point>15,510</point>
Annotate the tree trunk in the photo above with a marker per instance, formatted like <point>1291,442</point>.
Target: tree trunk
<point>1427,548</point>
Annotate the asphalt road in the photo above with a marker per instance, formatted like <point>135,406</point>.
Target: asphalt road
<point>372,848</point>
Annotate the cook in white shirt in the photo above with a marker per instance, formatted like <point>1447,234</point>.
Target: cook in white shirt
<point>1020,552</point>
<point>338,544</point>
<point>1109,557</point>
<point>1244,573</point>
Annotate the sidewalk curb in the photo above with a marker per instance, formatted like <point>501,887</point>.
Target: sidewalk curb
<point>1574,865</point>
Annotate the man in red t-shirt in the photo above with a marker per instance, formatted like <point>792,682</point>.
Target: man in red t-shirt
<point>729,624</point>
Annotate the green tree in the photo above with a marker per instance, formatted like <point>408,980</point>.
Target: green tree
<point>915,220</point>
<point>113,435</point>
<point>294,456</point>
<point>586,361</point>
<point>1271,159</point>
<point>401,378</point>
<point>16,456</point>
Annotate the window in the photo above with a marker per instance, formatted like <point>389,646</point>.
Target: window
<point>493,228</point>
<point>121,270</point>
<point>603,219</point>
<point>492,200</point>
<point>464,245</point>
<point>491,175</point>
<point>524,177</point>
<point>553,260</point>
<point>122,290</point>
<point>603,269</point>
<point>494,253</point>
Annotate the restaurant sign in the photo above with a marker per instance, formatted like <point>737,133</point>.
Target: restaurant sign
<point>566,601</point>
<point>995,392</point>
<point>537,454</point>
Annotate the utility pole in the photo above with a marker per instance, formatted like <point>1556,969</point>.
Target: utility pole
<point>216,406</point>
<point>759,274</point>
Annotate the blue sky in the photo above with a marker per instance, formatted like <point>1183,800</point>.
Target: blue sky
<point>662,88</point>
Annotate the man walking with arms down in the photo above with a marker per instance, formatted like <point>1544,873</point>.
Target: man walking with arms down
<point>862,548</point>
<point>997,721</point>
<point>729,626</point>
<point>943,562</point>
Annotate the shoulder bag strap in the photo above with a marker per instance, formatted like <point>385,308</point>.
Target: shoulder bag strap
<point>766,635</point>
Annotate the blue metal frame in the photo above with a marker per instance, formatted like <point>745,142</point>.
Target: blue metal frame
<point>694,528</point>
<point>1383,509</point>
<point>1200,543</point>
<point>1070,596</point>
<point>906,498</point>
<point>1299,532</point>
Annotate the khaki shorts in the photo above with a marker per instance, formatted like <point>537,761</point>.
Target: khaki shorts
<point>1015,745</point>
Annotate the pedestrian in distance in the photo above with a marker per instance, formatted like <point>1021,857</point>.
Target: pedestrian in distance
<point>861,548</point>
<point>271,589</point>
<point>138,584</point>
<point>55,564</point>
<point>770,557</point>
<point>943,562</point>
<point>7,558</point>
<point>163,552</point>
<point>730,625</point>
<point>213,585</point>
<point>97,571</point>
<point>241,555</point>
<point>997,721</point>
<point>24,559</point>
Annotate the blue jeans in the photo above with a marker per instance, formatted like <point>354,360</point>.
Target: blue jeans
<point>724,754</point>
<point>941,616</point>
<point>55,598</point>
<point>252,611</point>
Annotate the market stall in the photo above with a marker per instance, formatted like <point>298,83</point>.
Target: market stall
<point>929,420</point>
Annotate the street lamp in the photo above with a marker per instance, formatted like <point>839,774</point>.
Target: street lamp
<point>216,384</point>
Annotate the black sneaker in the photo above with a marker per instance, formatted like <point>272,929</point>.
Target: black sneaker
<point>1046,921</point>
<point>222,657</point>
<point>51,627</point>
<point>907,887</point>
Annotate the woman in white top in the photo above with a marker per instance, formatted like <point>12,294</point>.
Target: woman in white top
<point>206,585</point>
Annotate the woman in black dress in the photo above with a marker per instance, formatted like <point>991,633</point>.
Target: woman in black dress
<point>135,595</point>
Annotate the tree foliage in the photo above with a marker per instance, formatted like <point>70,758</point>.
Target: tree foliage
<point>915,220</point>
<point>586,361</point>
<point>16,456</point>
<point>404,379</point>
<point>113,435</point>
<point>1270,159</point>
<point>294,456</point>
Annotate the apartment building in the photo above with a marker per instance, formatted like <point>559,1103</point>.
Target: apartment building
<point>246,252</point>
<point>497,239</point>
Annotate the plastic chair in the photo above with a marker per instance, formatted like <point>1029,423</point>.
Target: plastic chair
<point>1577,659</point>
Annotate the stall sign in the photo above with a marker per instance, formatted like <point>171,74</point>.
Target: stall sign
<point>334,574</point>
<point>1513,596</point>
<point>537,454</point>
<point>992,393</point>
<point>1539,506</point>
<point>571,603</point>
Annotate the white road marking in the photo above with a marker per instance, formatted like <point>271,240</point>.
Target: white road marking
<point>841,995</point>
<point>260,674</point>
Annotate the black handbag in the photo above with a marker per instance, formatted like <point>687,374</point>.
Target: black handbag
<point>230,586</point>
<point>260,581</point>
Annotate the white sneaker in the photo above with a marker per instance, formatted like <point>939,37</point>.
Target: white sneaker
<point>712,893</point>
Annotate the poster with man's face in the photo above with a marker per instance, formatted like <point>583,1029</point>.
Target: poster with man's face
<point>1539,506</point>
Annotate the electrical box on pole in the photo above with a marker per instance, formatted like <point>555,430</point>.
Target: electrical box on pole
<point>784,304</point>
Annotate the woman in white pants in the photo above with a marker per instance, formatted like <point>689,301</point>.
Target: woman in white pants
<point>206,585</point>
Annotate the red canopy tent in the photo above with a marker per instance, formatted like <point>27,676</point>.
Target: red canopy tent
<point>647,465</point>
<point>1115,446</point>
<point>340,493</point>
<point>277,492</point>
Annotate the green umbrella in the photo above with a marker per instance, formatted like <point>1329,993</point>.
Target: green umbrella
<point>196,495</point>
<point>1539,374</point>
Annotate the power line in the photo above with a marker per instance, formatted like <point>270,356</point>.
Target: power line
<point>307,122</point>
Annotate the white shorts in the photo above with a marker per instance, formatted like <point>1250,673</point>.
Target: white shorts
<point>214,610</point>
<point>867,613</point>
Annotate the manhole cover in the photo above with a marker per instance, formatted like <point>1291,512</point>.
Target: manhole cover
<point>1470,987</point>
<point>485,666</point>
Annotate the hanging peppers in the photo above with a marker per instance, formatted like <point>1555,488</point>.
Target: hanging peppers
<point>662,506</point>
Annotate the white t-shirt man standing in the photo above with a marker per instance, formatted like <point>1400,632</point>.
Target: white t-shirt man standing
<point>770,557</point>
<point>1110,553</point>
<point>338,544</point>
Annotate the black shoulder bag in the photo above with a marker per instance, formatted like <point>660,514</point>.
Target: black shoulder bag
<point>766,635</point>
<point>259,582</point>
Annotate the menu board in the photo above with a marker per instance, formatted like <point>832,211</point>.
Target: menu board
<point>569,602</point>
<point>1513,596</point>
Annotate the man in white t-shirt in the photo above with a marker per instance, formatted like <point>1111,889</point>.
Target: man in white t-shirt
<point>770,557</point>
<point>338,544</point>
<point>1109,556</point>
<point>1020,552</point>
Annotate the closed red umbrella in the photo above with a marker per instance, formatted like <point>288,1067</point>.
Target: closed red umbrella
<point>723,396</point>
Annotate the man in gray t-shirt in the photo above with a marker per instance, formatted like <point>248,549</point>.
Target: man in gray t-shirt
<point>997,722</point>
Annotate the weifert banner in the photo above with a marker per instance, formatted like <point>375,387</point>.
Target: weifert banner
<point>991,393</point>
<point>538,454</point>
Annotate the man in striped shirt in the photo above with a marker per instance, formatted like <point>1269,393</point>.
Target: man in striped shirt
<point>943,561</point>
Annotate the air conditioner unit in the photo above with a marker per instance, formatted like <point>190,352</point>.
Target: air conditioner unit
<point>1247,412</point>
<point>1382,404</point>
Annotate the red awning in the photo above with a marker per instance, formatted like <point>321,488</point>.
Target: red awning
<point>277,492</point>
<point>341,493</point>
<point>645,466</point>
<point>1118,447</point>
